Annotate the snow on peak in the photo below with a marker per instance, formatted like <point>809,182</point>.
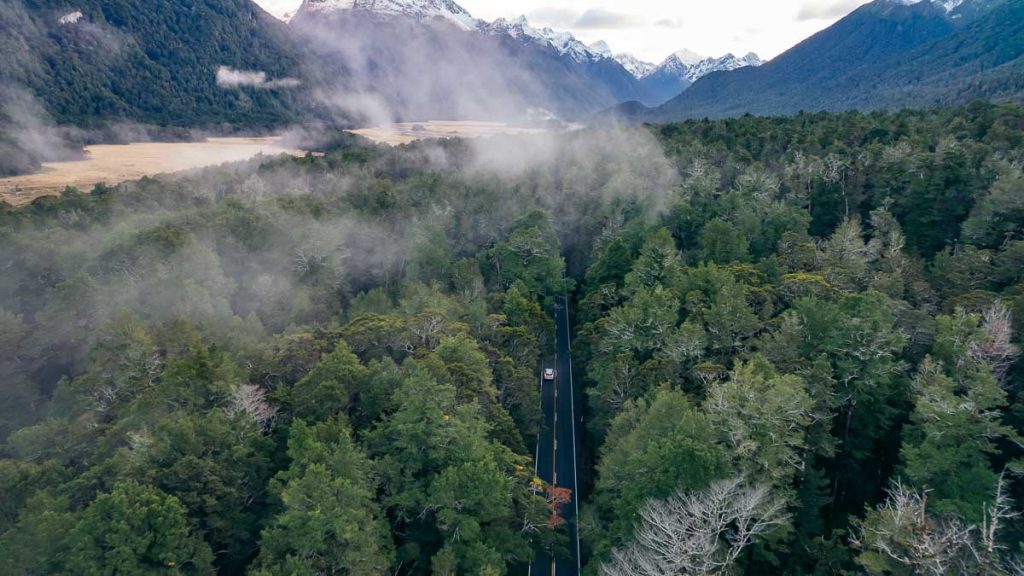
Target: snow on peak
<point>635,66</point>
<point>601,47</point>
<point>691,67</point>
<point>563,42</point>
<point>418,9</point>
<point>688,57</point>
<point>723,64</point>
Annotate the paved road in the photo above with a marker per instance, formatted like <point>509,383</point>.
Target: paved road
<point>556,445</point>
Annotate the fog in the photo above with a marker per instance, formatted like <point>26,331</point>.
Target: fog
<point>379,72</point>
<point>263,247</point>
<point>230,78</point>
<point>255,248</point>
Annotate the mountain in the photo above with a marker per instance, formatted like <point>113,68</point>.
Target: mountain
<point>683,68</point>
<point>635,66</point>
<point>418,9</point>
<point>228,65</point>
<point>149,61</point>
<point>886,54</point>
<point>562,42</point>
<point>382,60</point>
<point>659,83</point>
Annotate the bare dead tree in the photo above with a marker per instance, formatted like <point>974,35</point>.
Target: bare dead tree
<point>997,350</point>
<point>1000,511</point>
<point>902,531</point>
<point>698,533</point>
<point>251,400</point>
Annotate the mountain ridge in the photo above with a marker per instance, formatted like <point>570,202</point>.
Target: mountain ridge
<point>883,54</point>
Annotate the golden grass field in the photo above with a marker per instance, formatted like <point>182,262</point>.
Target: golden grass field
<point>112,164</point>
<point>115,163</point>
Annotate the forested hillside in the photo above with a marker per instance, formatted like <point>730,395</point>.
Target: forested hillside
<point>800,339</point>
<point>884,55</point>
<point>154,62</point>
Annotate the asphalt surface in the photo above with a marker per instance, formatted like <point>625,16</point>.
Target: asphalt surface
<point>557,445</point>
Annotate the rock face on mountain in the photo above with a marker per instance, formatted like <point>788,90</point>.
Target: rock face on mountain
<point>889,53</point>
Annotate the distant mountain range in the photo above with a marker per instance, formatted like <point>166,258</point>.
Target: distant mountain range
<point>661,82</point>
<point>537,68</point>
<point>217,63</point>
<point>228,65</point>
<point>680,70</point>
<point>886,54</point>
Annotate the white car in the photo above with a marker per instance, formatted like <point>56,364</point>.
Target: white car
<point>549,374</point>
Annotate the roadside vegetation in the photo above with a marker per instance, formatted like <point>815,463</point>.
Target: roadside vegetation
<point>799,339</point>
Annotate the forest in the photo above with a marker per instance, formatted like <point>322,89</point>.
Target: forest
<point>799,340</point>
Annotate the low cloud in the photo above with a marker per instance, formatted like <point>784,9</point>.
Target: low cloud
<point>607,20</point>
<point>231,78</point>
<point>826,9</point>
<point>554,17</point>
<point>593,19</point>
<point>669,23</point>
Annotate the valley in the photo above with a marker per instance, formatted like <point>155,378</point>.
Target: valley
<point>114,163</point>
<point>407,132</point>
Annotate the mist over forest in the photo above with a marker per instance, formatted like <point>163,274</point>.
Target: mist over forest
<point>724,344</point>
<point>328,364</point>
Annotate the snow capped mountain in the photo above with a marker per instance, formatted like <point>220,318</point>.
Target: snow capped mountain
<point>691,67</point>
<point>683,68</point>
<point>563,42</point>
<point>687,57</point>
<point>635,66</point>
<point>601,47</point>
<point>417,9</point>
<point>723,64</point>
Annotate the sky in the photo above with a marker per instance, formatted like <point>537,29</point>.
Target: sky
<point>653,29</point>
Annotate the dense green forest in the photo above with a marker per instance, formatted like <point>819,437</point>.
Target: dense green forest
<point>800,341</point>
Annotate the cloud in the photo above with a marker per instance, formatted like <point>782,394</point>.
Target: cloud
<point>554,17</point>
<point>826,9</point>
<point>593,19</point>
<point>606,20</point>
<point>669,23</point>
<point>231,78</point>
<point>71,17</point>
